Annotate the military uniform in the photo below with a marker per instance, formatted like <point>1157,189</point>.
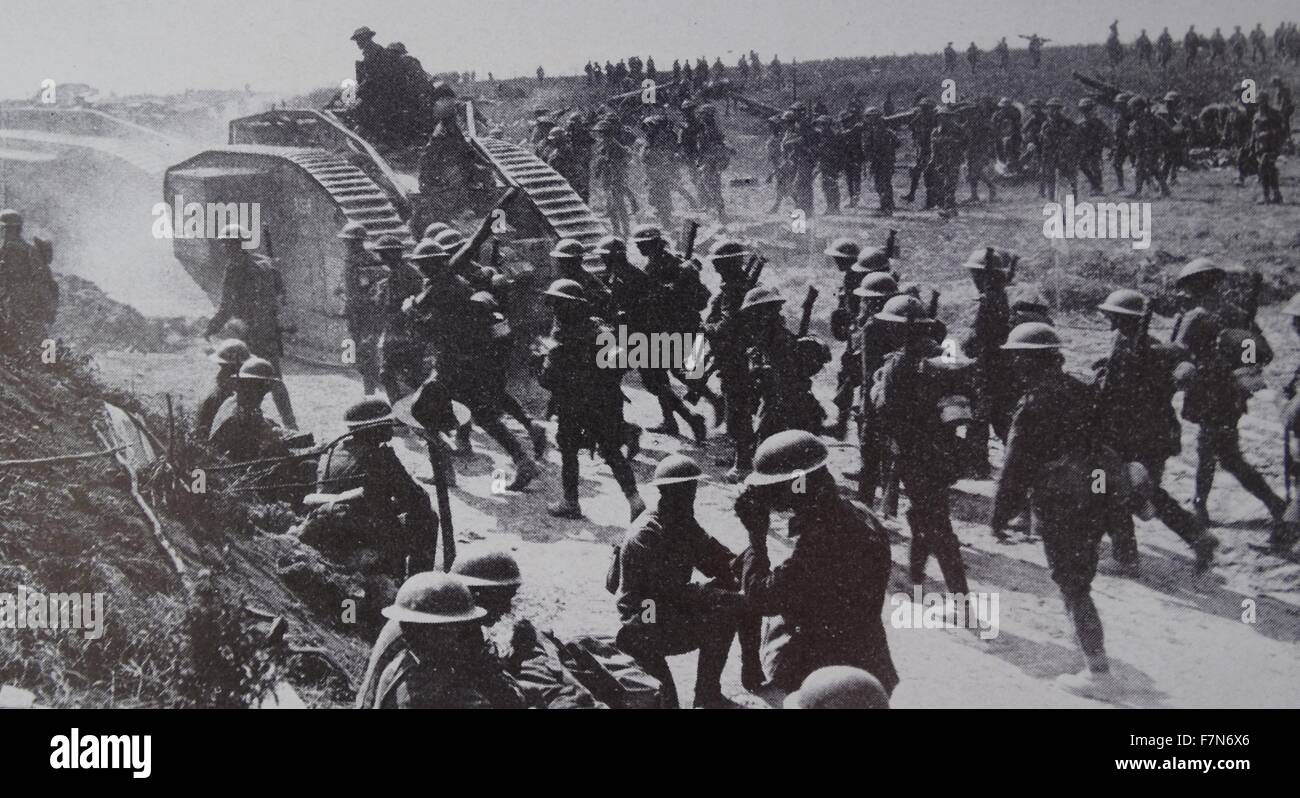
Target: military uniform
<point>1147,136</point>
<point>830,162</point>
<point>29,296</point>
<point>922,125</point>
<point>1092,137</point>
<point>240,433</point>
<point>610,168</point>
<point>362,277</point>
<point>852,155</point>
<point>725,331</point>
<point>1058,139</point>
<point>799,160</point>
<point>477,682</point>
<point>828,596</point>
<point>881,143</point>
<point>712,159</point>
<point>949,143</point>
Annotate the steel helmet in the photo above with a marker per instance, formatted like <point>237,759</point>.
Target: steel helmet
<point>785,456</point>
<point>761,295</point>
<point>726,248</point>
<point>230,352</point>
<point>985,258</point>
<point>367,413</point>
<point>433,597</point>
<point>567,248</point>
<point>431,232</point>
<point>839,687</point>
<point>1087,103</point>
<point>1293,307</point>
<point>398,47</point>
<point>871,110</point>
<point>872,259</point>
<point>675,469</point>
<point>1055,102</point>
<point>1124,302</point>
<point>428,250</point>
<point>353,231</point>
<point>610,245</point>
<point>877,284</point>
<point>1172,96</point>
<point>555,134</point>
<point>1137,102</point>
<point>823,121</point>
<point>566,289</point>
<point>10,218</point>
<point>256,369</point>
<point>388,241</point>
<point>843,248</point>
<point>1035,103</point>
<point>1201,265</point>
<point>362,33</point>
<point>450,239</point>
<point>485,300</point>
<point>925,102</point>
<point>235,231</point>
<point>902,309</point>
<point>1033,335</point>
<point>789,116</point>
<point>1122,98</point>
<point>483,566</point>
<point>646,232</point>
<point>1004,102</point>
<point>688,104</point>
<point>812,353</point>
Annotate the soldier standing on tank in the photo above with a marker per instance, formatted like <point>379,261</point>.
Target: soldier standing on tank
<point>252,291</point>
<point>922,125</point>
<point>1147,134</point>
<point>1051,452</point>
<point>1213,400</point>
<point>585,396</point>
<point>29,295</point>
<point>724,328</point>
<point>563,158</point>
<point>948,146</point>
<point>362,275</point>
<point>377,79</point>
<point>830,161</point>
<point>824,603</point>
<point>906,394</point>
<point>1138,421</point>
<point>1092,137</point>
<point>880,143</point>
<point>851,148</point>
<point>1060,157</point>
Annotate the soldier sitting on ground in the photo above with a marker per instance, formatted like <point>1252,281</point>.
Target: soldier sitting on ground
<point>240,431</point>
<point>229,356</point>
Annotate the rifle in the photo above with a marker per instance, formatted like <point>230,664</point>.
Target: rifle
<point>891,244</point>
<point>466,252</point>
<point>809,300</point>
<point>934,304</point>
<point>1105,91</point>
<point>690,231</point>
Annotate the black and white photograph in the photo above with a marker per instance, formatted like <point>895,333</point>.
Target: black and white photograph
<point>633,355</point>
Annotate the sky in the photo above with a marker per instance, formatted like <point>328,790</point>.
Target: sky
<point>292,46</point>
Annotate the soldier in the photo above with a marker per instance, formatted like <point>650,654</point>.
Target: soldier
<point>880,143</point>
<point>1191,46</point>
<point>869,346</point>
<point>610,168</point>
<point>401,351</point>
<point>229,356</point>
<point>1238,44</point>
<point>1114,50</point>
<point>781,366</point>
<point>798,158</point>
<point>972,57</point>
<point>444,663</point>
<point>1285,105</point>
<point>1147,134</point>
<point>723,327</point>
<point>662,611</point>
<point>567,255</point>
<point>1031,136</point>
<point>1164,48</point>
<point>980,149</point>
<point>1213,400</point>
<point>843,254</point>
<point>647,304</point>
<point>1035,49</point>
<point>586,397</point>
<point>851,154</point>
<point>561,157</point>
<point>1258,44</point>
<point>1218,47</point>
<point>994,393</point>
<point>922,125</point>
<point>377,78</point>
<point>362,275</point>
<point>1058,139</point>
<point>447,165</point>
<point>824,602</point>
<point>906,394</point>
<point>1135,406</point>
<point>1176,140</point>
<point>657,159</point>
<point>1051,454</point>
<point>1006,127</point>
<point>390,528</point>
<point>252,291</point>
<point>1091,138</point>
<point>830,161</point>
<point>949,58</point>
<point>1003,52</point>
<point>581,144</point>
<point>948,145</point>
<point>1143,47</point>
<point>239,431</point>
<point>779,176</point>
<point>1266,145</point>
<point>712,158</point>
<point>29,295</point>
<point>1121,151</point>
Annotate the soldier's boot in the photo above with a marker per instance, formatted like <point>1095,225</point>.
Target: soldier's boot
<point>699,427</point>
<point>1123,542</point>
<point>1201,512</point>
<point>567,506</point>
<point>632,439</point>
<point>537,434</point>
<point>626,480</point>
<point>464,446</point>
<point>750,633</point>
